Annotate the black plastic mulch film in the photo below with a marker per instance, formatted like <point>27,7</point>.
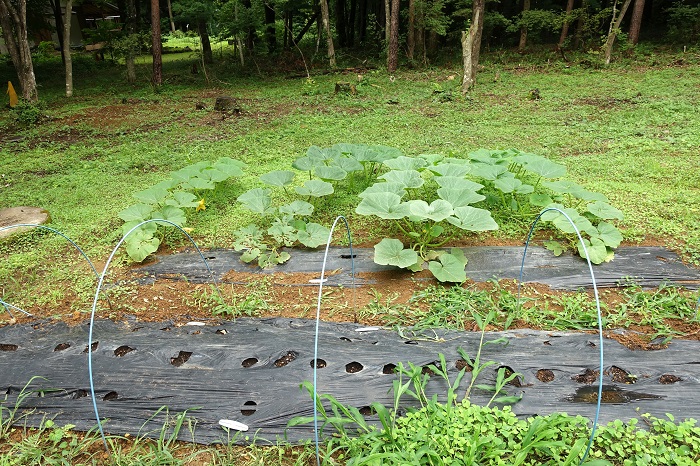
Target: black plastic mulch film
<point>250,371</point>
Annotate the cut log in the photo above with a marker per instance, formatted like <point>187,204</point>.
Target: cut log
<point>226,104</point>
<point>21,215</point>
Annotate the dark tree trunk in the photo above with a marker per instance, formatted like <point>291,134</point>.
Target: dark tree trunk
<point>340,26</point>
<point>523,29</point>
<point>170,16</point>
<point>312,19</point>
<point>251,36</point>
<point>58,18</point>
<point>206,44</point>
<point>362,21</point>
<point>270,31</point>
<point>13,20</point>
<point>352,20</point>
<point>565,26</point>
<point>411,37</point>
<point>130,24</point>
<point>393,57</point>
<point>156,44</point>
<point>636,23</point>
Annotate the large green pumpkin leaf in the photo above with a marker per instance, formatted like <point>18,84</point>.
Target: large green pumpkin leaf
<point>563,186</point>
<point>604,210</point>
<point>313,235</point>
<point>408,178</point>
<point>451,169</point>
<point>540,200</point>
<point>331,172</point>
<point>472,219</point>
<point>609,235</point>
<point>214,175</point>
<point>182,199</point>
<point>405,163</point>
<point>459,197</point>
<point>390,251</point>
<point>257,200</point>
<point>385,187</point>
<point>140,245</point>
<point>580,222</point>
<point>436,211</point>
<point>597,252</point>
<point>432,159</point>
<point>384,205</point>
<point>230,166</point>
<point>315,188</point>
<point>488,172</point>
<point>455,182</point>
<point>198,183</point>
<point>544,167</point>
<point>149,228</point>
<point>170,213</point>
<point>383,153</point>
<point>152,196</point>
<point>448,268</point>
<point>301,208</point>
<point>184,175</point>
<point>347,163</point>
<point>307,164</point>
<point>138,212</point>
<point>279,178</point>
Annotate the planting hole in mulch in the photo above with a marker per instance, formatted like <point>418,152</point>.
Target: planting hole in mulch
<point>122,350</point>
<point>93,347</point>
<point>249,362</point>
<point>320,363</point>
<point>111,396</point>
<point>462,364</point>
<point>79,393</point>
<point>8,347</point>
<point>181,358</point>
<point>545,375</point>
<point>389,368</point>
<point>353,367</point>
<point>620,375</point>
<point>588,376</point>
<point>516,382</point>
<point>250,410</point>
<point>61,347</point>
<point>367,411</point>
<point>667,379</point>
<point>286,359</point>
<point>611,394</point>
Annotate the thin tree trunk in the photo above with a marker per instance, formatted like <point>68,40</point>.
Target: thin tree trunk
<point>270,30</point>
<point>411,37</point>
<point>130,52</point>
<point>14,30</point>
<point>239,41</point>
<point>56,7</point>
<point>387,21</point>
<point>565,26</point>
<point>170,16</point>
<point>325,18</point>
<point>636,23</point>
<point>156,44</point>
<point>66,48</point>
<point>471,46</point>
<point>307,26</point>
<point>393,56</point>
<point>614,28</point>
<point>523,29</point>
<point>340,28</point>
<point>206,44</point>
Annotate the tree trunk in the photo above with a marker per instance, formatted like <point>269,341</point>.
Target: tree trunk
<point>340,28</point>
<point>565,26</point>
<point>636,23</point>
<point>206,44</point>
<point>352,21</point>
<point>270,30</point>
<point>411,36</point>
<point>66,49</point>
<point>170,16</point>
<point>156,44</point>
<point>393,57</point>
<point>312,19</point>
<point>130,52</point>
<point>387,21</point>
<point>14,30</point>
<point>614,29</point>
<point>362,21</point>
<point>523,29</point>
<point>58,18</point>
<point>471,46</point>
<point>326,20</point>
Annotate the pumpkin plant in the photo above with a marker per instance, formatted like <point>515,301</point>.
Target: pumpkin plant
<point>170,200</point>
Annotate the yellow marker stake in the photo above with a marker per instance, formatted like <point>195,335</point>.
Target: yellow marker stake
<point>13,95</point>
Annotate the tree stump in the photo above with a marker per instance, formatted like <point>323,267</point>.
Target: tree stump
<point>345,88</point>
<point>21,215</point>
<point>227,104</point>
